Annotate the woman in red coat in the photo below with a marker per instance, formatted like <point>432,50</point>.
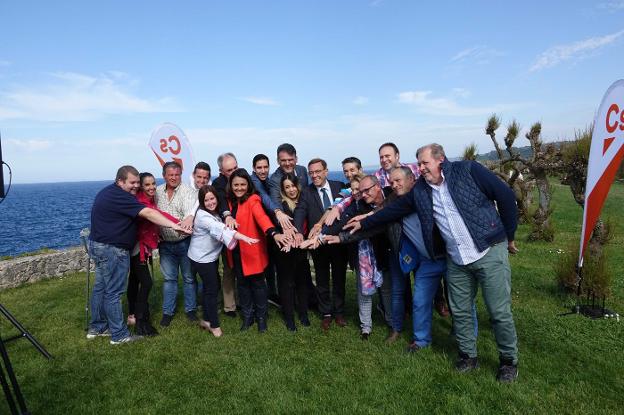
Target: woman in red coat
<point>249,261</point>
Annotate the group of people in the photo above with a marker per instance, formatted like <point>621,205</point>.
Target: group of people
<point>436,220</point>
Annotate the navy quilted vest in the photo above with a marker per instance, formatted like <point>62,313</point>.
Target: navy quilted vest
<point>478,212</point>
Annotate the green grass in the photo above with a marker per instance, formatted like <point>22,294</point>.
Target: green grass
<point>567,364</point>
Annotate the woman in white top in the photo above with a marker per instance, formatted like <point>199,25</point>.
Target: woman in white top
<point>209,236</point>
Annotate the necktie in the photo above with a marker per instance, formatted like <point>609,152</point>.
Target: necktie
<point>326,201</point>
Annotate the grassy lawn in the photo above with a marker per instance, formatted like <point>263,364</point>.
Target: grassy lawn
<point>567,364</point>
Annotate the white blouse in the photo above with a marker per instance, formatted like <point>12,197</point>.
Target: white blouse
<point>209,236</point>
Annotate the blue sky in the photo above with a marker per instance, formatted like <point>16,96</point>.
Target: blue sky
<point>83,84</point>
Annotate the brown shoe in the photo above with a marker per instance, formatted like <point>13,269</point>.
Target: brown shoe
<point>325,323</point>
<point>340,321</point>
<point>441,308</point>
<point>393,336</point>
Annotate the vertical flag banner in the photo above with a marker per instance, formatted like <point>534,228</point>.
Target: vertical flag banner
<point>169,143</point>
<point>605,156</point>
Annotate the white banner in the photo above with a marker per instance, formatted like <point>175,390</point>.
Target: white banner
<point>605,156</point>
<point>169,143</point>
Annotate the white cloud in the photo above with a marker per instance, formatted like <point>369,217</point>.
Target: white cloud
<point>30,144</point>
<point>375,3</point>
<point>557,54</point>
<point>4,63</point>
<point>261,101</point>
<point>425,103</point>
<point>72,96</point>
<point>479,54</point>
<point>461,92</point>
<point>360,100</point>
<point>612,6</point>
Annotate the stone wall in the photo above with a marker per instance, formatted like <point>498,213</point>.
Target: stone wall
<point>18,271</point>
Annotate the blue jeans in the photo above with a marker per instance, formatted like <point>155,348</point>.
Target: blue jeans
<point>426,282</point>
<point>398,292</point>
<point>111,271</point>
<point>173,256</point>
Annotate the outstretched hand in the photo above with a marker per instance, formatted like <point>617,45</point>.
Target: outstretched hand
<point>511,248</point>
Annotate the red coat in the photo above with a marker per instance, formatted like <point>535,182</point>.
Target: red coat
<point>253,222</point>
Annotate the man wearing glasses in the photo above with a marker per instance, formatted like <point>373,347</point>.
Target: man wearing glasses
<point>330,262</point>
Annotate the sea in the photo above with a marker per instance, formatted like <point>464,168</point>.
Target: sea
<point>51,215</point>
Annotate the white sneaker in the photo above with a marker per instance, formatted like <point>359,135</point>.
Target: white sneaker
<point>131,338</point>
<point>92,334</point>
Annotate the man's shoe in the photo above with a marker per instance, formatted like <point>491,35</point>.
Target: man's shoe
<point>191,316</point>
<point>413,347</point>
<point>128,339</point>
<point>231,313</point>
<point>262,325</point>
<point>304,320</point>
<point>393,336</point>
<point>325,323</point>
<point>340,321</point>
<point>507,372</point>
<point>466,364</point>
<point>290,325</point>
<point>166,320</point>
<point>247,323</point>
<point>364,336</point>
<point>92,334</point>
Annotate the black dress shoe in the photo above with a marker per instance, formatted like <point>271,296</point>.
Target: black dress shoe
<point>247,323</point>
<point>166,320</point>
<point>230,314</point>
<point>262,325</point>
<point>290,325</point>
<point>305,321</point>
<point>364,336</point>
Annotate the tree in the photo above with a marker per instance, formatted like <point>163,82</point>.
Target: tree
<point>545,160</point>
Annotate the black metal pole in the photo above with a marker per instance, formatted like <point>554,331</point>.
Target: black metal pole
<point>16,389</point>
<point>24,333</point>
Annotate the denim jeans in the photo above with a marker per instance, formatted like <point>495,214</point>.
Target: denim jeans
<point>173,256</point>
<point>111,270</point>
<point>399,284</point>
<point>426,282</point>
<point>493,274</point>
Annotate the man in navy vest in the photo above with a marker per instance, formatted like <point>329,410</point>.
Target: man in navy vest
<point>476,215</point>
<point>113,234</point>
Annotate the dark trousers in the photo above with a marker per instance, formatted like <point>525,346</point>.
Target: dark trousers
<point>252,293</point>
<point>330,262</point>
<point>208,272</point>
<point>139,286</point>
<point>293,274</point>
<point>270,270</point>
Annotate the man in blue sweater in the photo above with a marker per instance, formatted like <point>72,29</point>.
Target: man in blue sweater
<point>475,213</point>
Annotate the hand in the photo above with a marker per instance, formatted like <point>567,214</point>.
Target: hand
<point>178,228</point>
<point>280,240</point>
<point>187,222</point>
<point>331,239</point>
<point>361,217</point>
<point>315,231</point>
<point>298,240</point>
<point>284,220</point>
<point>511,247</point>
<point>310,244</point>
<point>231,223</point>
<point>290,233</point>
<point>353,225</point>
<point>331,216</point>
<point>249,240</point>
<point>185,227</point>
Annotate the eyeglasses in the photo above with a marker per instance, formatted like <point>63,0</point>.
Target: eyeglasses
<point>362,191</point>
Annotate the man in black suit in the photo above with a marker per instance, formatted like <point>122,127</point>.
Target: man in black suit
<point>315,199</point>
<point>287,161</point>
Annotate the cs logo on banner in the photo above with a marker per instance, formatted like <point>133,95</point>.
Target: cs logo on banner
<point>169,143</point>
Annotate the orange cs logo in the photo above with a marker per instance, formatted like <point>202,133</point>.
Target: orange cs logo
<point>171,144</point>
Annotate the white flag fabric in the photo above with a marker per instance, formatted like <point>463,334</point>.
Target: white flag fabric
<point>169,143</point>
<point>605,156</point>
